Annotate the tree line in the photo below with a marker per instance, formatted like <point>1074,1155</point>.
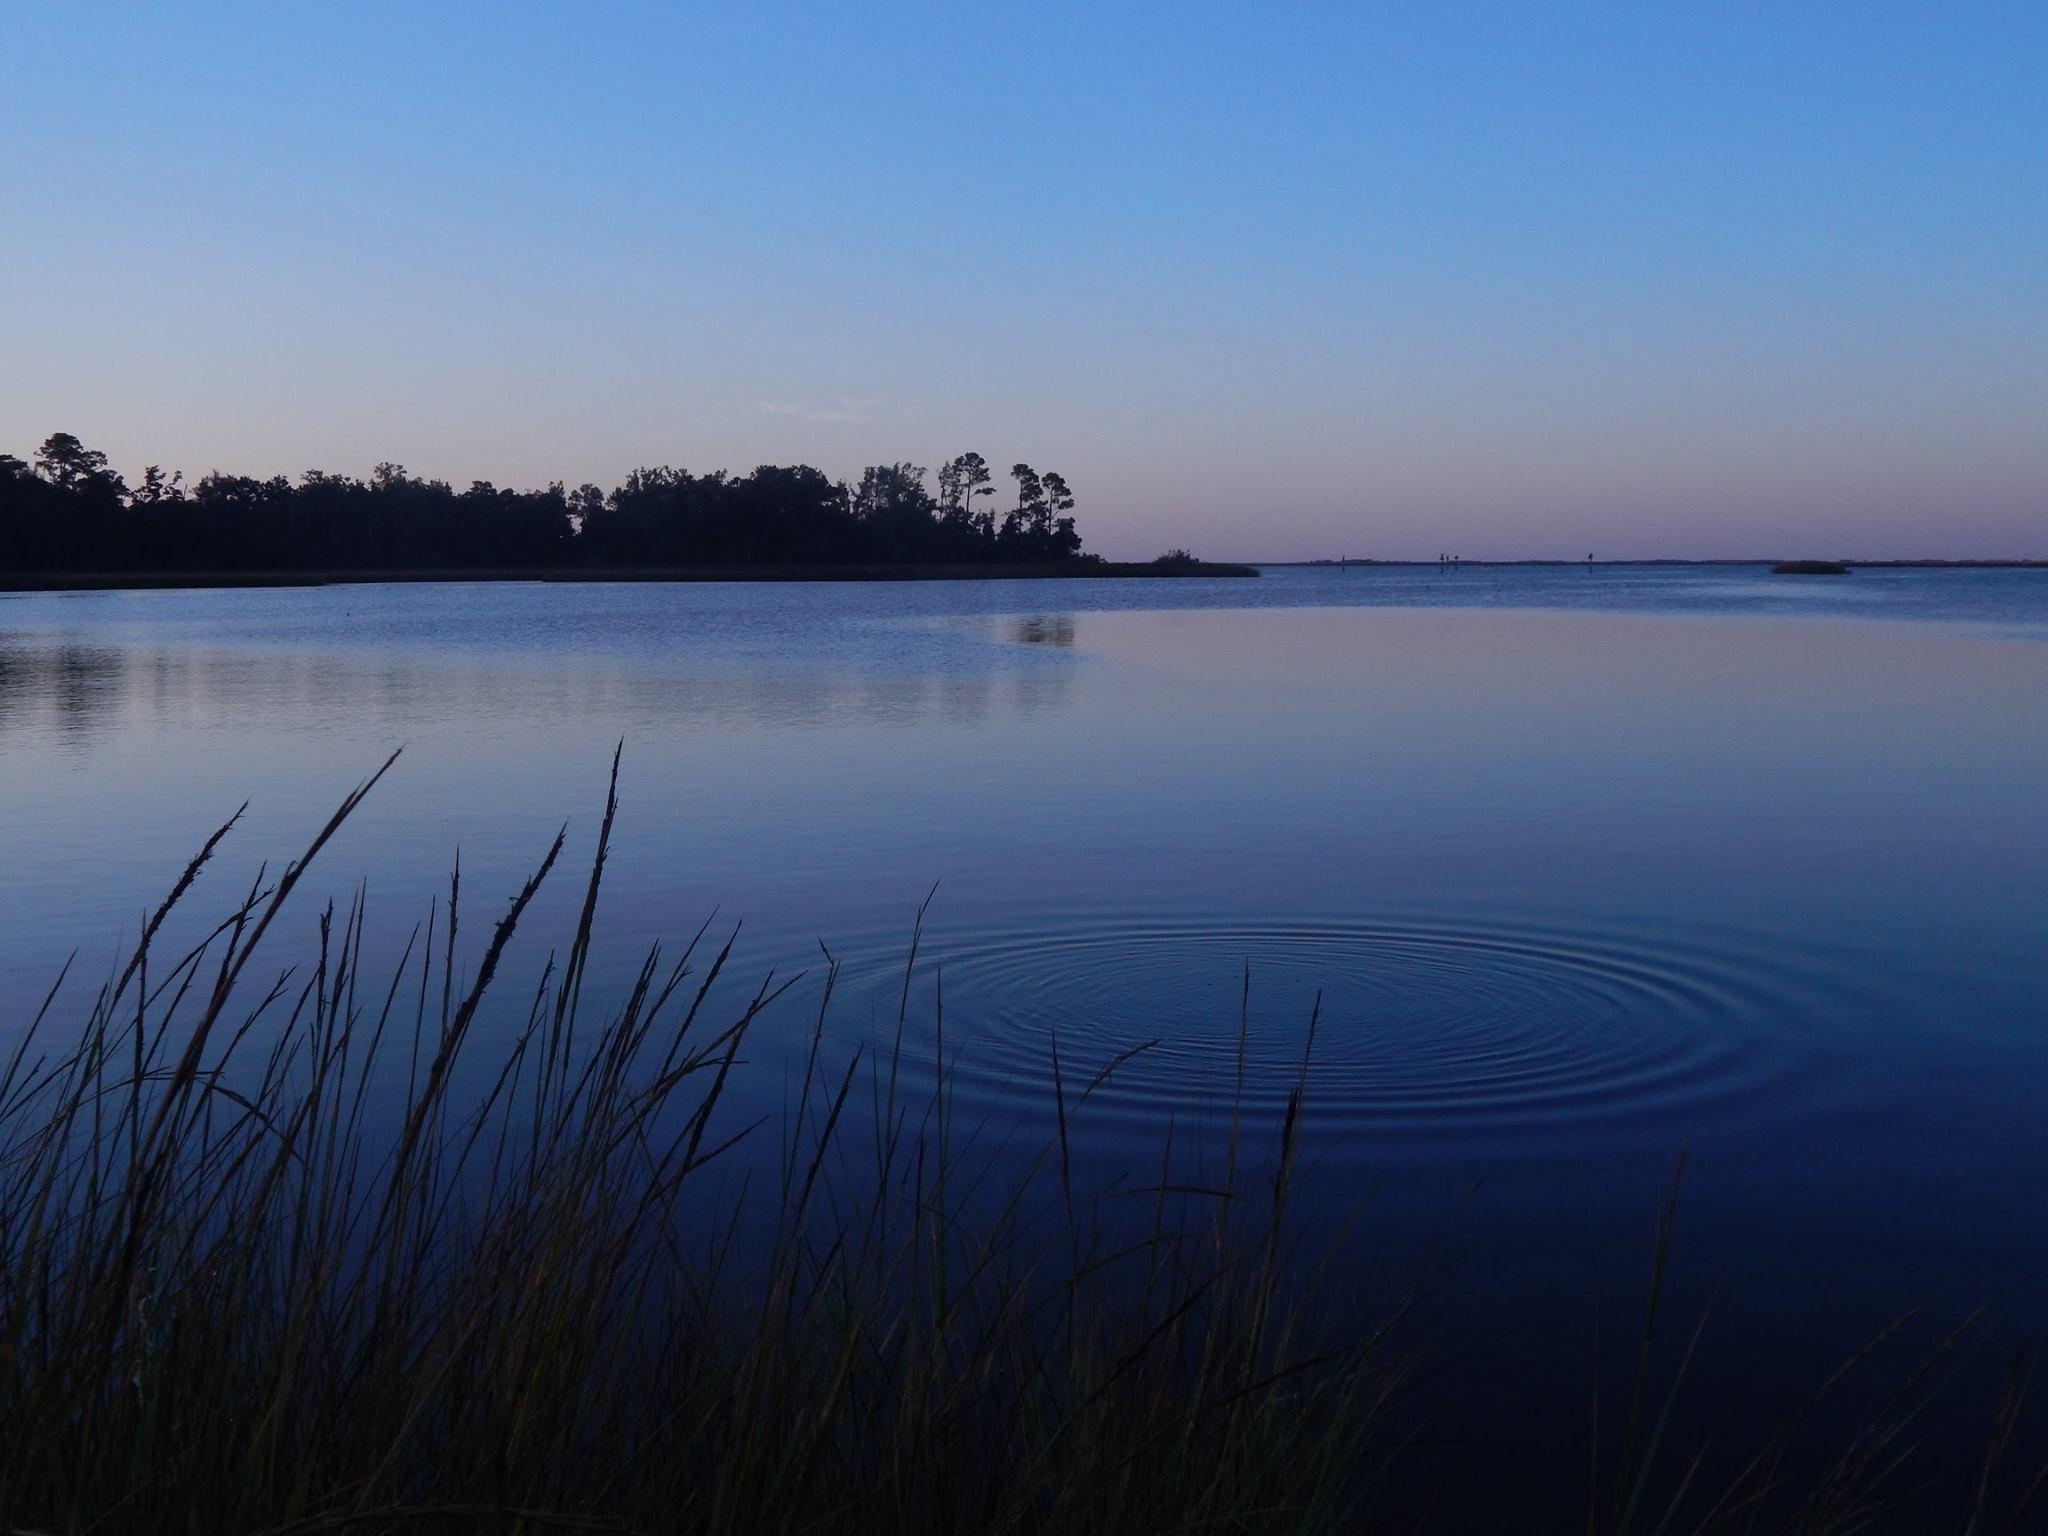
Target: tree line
<point>66,512</point>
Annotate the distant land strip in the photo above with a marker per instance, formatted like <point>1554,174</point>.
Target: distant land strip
<point>86,581</point>
<point>1478,564</point>
<point>69,520</point>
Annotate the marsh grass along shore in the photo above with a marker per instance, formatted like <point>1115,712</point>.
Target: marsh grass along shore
<point>305,1249</point>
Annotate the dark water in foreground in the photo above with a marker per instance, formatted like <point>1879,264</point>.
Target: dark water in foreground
<point>1585,867</point>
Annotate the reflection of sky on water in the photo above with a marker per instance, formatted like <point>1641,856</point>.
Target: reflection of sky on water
<point>748,621</point>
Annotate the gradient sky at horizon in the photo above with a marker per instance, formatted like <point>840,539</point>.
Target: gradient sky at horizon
<point>1270,281</point>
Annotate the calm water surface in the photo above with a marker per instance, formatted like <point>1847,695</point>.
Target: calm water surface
<point>1584,866</point>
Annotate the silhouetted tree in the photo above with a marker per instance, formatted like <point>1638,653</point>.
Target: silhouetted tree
<point>897,513</point>
<point>92,528</point>
<point>583,501</point>
<point>157,488</point>
<point>1059,507</point>
<point>1020,524</point>
<point>952,497</point>
<point>71,466</point>
<point>960,482</point>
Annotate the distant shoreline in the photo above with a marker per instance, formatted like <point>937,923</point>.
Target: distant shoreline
<point>134,581</point>
<point>139,581</point>
<point>1768,560</point>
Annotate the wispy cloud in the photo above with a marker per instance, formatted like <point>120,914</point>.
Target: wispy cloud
<point>852,410</point>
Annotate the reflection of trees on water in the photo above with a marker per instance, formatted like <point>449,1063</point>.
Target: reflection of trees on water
<point>1044,629</point>
<point>1039,689</point>
<point>803,700</point>
<point>68,694</point>
<point>65,691</point>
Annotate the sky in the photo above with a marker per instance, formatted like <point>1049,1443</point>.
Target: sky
<point>1270,281</point>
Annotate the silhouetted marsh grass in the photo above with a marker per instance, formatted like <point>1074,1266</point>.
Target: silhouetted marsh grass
<point>536,1292</point>
<point>240,1294</point>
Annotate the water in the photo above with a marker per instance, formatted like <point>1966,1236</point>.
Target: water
<point>1574,868</point>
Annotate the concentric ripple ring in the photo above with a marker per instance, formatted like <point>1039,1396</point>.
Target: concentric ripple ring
<point>1415,1025</point>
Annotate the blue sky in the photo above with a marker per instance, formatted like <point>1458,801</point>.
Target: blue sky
<point>1266,280</point>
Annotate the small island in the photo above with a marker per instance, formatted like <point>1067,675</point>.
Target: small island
<point>70,521</point>
<point>1809,568</point>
